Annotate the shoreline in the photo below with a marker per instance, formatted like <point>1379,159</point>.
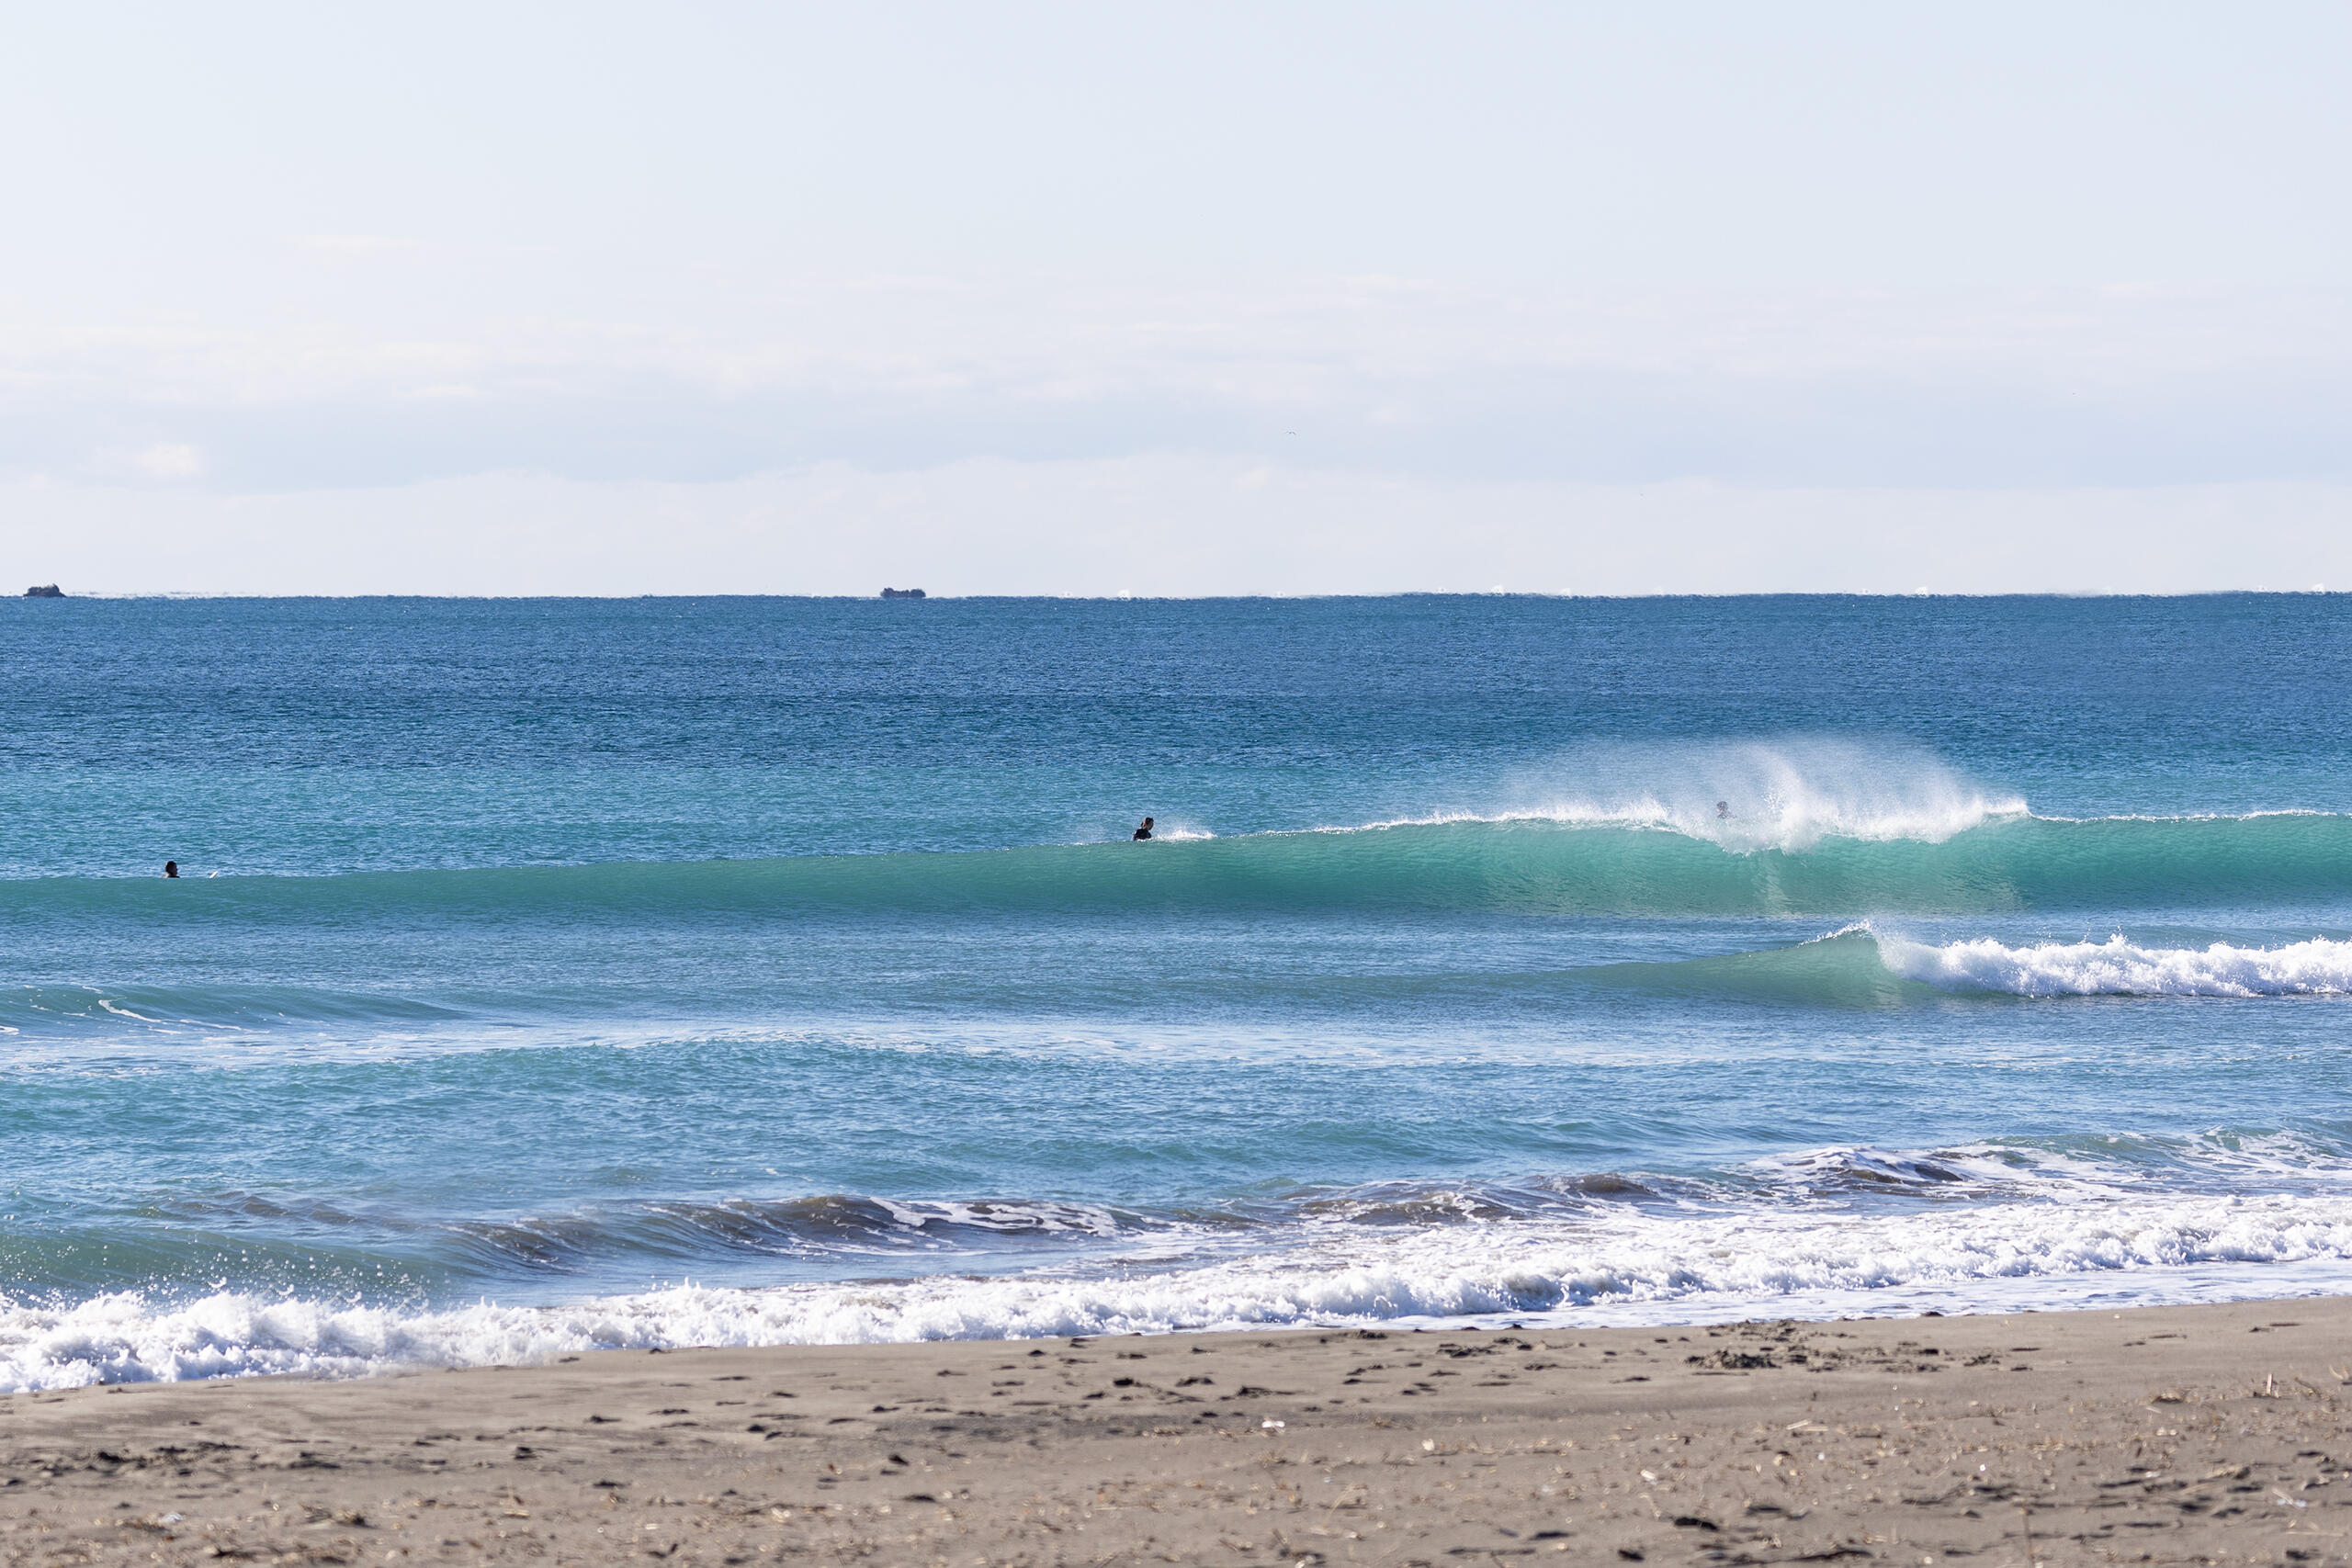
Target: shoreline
<point>2144,1433</point>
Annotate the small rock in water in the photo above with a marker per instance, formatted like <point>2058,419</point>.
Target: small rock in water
<point>51,591</point>
<point>902,593</point>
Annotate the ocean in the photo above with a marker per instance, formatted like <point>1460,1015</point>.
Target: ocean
<point>550,975</point>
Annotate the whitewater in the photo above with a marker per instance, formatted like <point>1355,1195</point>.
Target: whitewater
<point>1719,1262</point>
<point>557,976</point>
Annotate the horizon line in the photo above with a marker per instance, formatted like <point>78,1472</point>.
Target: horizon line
<point>191,595</point>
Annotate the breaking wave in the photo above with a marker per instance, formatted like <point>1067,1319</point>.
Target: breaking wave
<point>2120,969</point>
<point>1623,1265</point>
<point>1858,967</point>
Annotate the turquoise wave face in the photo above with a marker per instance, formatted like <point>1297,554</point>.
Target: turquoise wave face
<point>1498,923</point>
<point>1521,867</point>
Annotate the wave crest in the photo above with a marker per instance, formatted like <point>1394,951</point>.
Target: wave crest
<point>2117,967</point>
<point>1859,968</point>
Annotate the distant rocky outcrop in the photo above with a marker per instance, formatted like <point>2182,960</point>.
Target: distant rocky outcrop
<point>902,593</point>
<point>51,591</point>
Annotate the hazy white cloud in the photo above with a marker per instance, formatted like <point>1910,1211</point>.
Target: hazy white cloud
<point>1172,525</point>
<point>2001,389</point>
<point>355,247</point>
<point>170,460</point>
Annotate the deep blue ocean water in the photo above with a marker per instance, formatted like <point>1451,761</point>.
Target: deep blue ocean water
<point>547,974</point>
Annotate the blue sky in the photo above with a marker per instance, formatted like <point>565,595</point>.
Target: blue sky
<point>1227,299</point>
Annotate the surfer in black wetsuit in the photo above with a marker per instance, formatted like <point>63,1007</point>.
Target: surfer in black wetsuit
<point>1145,831</point>
<point>170,868</point>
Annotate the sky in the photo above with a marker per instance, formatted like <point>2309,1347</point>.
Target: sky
<point>1281,298</point>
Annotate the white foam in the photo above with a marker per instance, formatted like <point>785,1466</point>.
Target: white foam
<point>1618,1265</point>
<point>2118,968</point>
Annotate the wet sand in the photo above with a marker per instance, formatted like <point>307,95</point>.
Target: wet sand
<point>2170,1435</point>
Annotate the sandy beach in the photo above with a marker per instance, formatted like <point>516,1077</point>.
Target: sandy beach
<point>2159,1435</point>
